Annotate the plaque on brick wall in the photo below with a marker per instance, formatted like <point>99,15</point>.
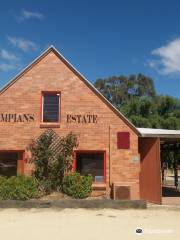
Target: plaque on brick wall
<point>135,158</point>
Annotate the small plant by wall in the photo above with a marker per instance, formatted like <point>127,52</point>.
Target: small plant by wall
<point>77,186</point>
<point>18,188</point>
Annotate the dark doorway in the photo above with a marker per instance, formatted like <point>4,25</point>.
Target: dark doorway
<point>8,163</point>
<point>170,163</point>
<point>91,163</point>
<point>170,171</point>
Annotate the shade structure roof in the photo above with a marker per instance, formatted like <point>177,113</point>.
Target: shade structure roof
<point>160,133</point>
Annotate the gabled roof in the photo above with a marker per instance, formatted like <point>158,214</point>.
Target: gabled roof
<point>90,85</point>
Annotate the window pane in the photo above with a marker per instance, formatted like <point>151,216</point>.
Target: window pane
<point>51,108</point>
<point>91,163</point>
<point>8,164</point>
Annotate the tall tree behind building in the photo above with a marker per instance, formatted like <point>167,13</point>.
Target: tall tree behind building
<point>135,96</point>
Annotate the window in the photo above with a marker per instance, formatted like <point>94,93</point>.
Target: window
<point>91,163</point>
<point>8,164</point>
<point>51,105</point>
<point>123,140</point>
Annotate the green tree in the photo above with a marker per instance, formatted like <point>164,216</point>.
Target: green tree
<point>135,96</point>
<point>167,105</point>
<point>119,89</point>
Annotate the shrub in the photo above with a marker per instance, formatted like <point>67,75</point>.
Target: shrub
<point>63,160</point>
<point>76,185</point>
<point>52,157</point>
<point>45,187</point>
<point>18,188</point>
<point>2,179</point>
<point>42,154</point>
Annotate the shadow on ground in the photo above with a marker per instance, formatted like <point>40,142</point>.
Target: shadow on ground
<point>170,192</point>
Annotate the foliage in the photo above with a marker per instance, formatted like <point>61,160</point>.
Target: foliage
<point>136,98</point>
<point>63,160</point>
<point>18,188</point>
<point>77,186</point>
<point>41,155</point>
<point>45,187</point>
<point>120,89</point>
<point>52,156</point>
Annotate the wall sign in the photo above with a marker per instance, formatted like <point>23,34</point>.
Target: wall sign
<point>14,117</point>
<point>135,158</point>
<point>81,118</point>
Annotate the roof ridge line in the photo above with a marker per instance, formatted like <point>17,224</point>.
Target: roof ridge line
<point>51,47</point>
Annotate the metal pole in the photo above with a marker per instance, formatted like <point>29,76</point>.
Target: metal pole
<point>175,168</point>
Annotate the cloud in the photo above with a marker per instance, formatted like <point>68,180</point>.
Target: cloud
<point>25,15</point>
<point>23,44</point>
<point>7,66</point>
<point>6,55</point>
<point>167,58</point>
<point>8,60</point>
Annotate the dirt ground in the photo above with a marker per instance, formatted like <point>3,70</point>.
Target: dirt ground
<point>46,224</point>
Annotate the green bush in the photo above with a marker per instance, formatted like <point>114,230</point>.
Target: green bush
<point>52,157</point>
<point>2,179</point>
<point>77,186</point>
<point>45,187</point>
<point>18,188</point>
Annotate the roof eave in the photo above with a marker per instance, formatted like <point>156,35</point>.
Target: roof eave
<point>175,136</point>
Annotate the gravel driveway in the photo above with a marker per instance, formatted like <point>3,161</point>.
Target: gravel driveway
<point>81,224</point>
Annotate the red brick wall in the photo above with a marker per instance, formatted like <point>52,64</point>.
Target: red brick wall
<point>51,74</point>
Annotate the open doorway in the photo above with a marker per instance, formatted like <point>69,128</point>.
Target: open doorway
<point>170,172</point>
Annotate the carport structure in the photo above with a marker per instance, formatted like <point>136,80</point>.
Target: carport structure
<point>152,143</point>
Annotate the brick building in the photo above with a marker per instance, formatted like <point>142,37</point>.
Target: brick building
<point>51,93</point>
